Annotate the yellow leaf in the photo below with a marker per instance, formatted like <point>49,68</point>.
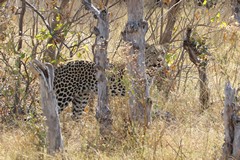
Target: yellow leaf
<point>223,25</point>
<point>50,45</point>
<point>85,47</point>
<point>58,18</point>
<point>79,55</point>
<point>205,2</point>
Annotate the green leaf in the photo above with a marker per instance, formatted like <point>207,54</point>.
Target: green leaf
<point>44,34</point>
<point>170,58</point>
<point>79,55</point>
<point>54,61</point>
<point>59,26</point>
<point>38,37</point>
<point>22,55</point>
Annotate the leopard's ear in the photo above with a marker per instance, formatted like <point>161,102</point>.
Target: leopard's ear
<point>122,66</point>
<point>121,69</point>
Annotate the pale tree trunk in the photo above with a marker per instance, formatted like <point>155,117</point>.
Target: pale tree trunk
<point>103,113</point>
<point>134,33</point>
<point>49,105</point>
<point>231,146</point>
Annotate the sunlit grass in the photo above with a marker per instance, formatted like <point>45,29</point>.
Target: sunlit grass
<point>193,135</point>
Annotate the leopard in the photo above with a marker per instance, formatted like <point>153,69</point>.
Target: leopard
<point>156,64</point>
<point>75,81</point>
<point>159,72</point>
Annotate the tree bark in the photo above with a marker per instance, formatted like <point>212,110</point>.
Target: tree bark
<point>103,113</point>
<point>49,105</point>
<point>164,82</point>
<point>231,146</point>
<point>201,64</point>
<point>2,1</point>
<point>171,20</point>
<point>204,90</point>
<point>134,33</point>
<point>236,9</point>
<point>17,103</point>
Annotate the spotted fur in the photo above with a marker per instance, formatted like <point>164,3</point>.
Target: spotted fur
<point>74,82</point>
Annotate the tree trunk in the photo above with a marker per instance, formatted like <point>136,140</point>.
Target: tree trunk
<point>236,9</point>
<point>204,90</point>
<point>49,105</point>
<point>17,106</point>
<point>201,64</point>
<point>231,146</point>
<point>134,33</point>
<point>163,82</point>
<point>171,20</point>
<point>103,113</point>
<point>2,1</point>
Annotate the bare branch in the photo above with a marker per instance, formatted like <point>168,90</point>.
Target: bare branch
<point>41,16</point>
<point>91,7</point>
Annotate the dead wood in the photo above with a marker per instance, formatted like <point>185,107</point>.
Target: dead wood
<point>231,146</point>
<point>45,72</point>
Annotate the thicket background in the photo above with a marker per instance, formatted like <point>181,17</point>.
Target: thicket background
<point>193,134</point>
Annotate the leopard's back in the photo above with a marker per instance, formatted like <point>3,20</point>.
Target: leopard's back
<point>74,81</point>
<point>73,78</point>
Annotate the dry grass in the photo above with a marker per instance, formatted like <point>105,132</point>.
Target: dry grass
<point>193,135</point>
